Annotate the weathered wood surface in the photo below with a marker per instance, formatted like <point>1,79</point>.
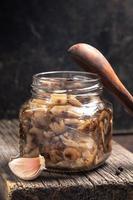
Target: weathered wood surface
<point>104,183</point>
<point>126,140</point>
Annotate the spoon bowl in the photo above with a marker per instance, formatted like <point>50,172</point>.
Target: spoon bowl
<point>92,60</point>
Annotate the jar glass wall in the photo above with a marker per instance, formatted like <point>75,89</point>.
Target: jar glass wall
<point>67,121</point>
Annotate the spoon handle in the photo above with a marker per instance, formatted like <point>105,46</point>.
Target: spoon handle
<point>92,60</point>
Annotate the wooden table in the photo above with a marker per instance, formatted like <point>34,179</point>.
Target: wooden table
<point>104,183</point>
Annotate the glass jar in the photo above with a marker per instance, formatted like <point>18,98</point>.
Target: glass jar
<point>67,121</point>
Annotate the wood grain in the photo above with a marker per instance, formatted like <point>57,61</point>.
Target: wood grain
<point>103,183</point>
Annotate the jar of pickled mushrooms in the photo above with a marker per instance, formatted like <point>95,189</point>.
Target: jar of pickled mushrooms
<point>67,121</point>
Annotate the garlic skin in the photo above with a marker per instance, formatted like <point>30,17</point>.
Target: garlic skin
<point>27,168</point>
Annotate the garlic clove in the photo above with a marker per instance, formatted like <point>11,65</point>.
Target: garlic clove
<point>27,168</point>
<point>59,99</point>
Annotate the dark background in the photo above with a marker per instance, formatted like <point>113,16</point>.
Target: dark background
<point>35,36</point>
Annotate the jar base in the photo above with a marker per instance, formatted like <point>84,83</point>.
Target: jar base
<point>66,170</point>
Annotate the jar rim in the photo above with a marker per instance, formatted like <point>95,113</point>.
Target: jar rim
<point>72,82</point>
<point>90,77</point>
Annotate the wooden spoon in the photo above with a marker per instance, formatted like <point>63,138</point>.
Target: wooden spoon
<point>92,60</point>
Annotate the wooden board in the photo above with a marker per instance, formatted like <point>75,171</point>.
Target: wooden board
<point>104,183</point>
<point>126,140</point>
